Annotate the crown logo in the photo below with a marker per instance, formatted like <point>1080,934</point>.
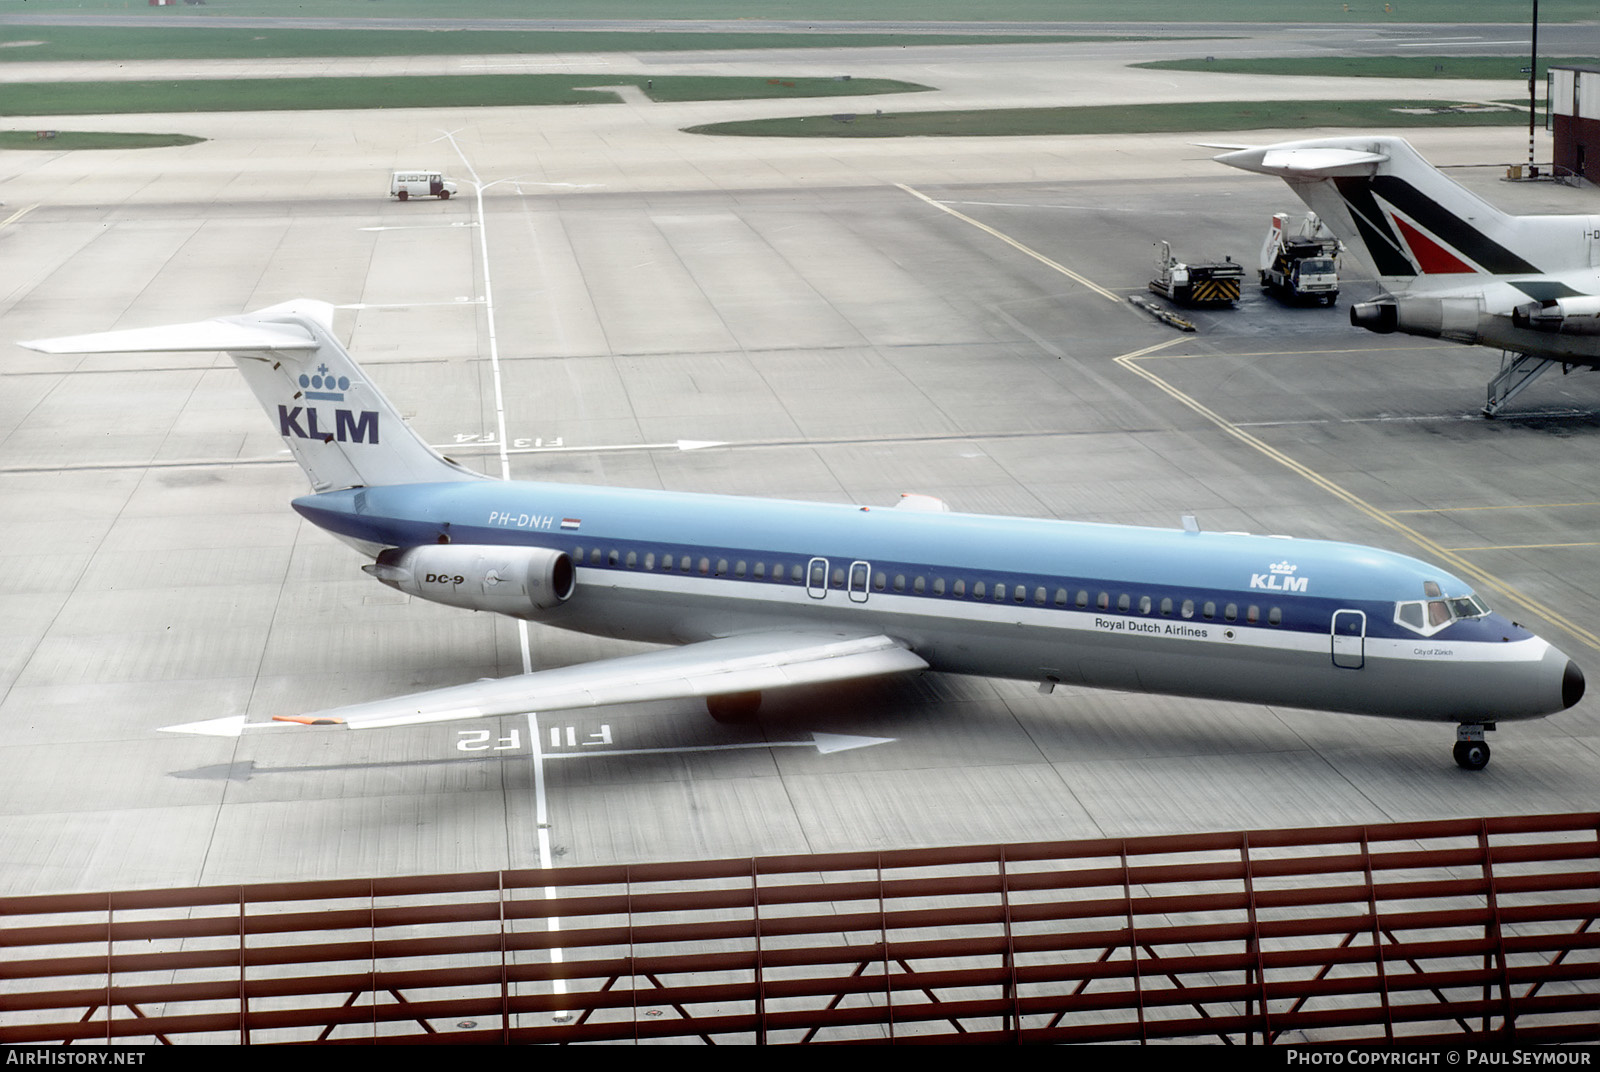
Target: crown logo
<point>1284,568</point>
<point>323,386</point>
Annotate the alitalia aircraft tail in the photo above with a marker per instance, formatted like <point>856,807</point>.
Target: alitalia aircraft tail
<point>340,428</point>
<point>1453,266</point>
<point>1409,220</point>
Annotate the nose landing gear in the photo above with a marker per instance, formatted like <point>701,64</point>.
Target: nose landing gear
<point>1472,751</point>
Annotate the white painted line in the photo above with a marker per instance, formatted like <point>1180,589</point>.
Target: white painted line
<point>825,743</point>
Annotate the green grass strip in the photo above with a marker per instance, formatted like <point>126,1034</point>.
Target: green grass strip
<point>1363,12</point>
<point>441,91</point>
<point>59,140</point>
<point>153,42</point>
<point>1506,68</point>
<point>1124,119</point>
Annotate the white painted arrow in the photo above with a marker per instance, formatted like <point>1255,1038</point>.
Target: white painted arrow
<point>825,743</point>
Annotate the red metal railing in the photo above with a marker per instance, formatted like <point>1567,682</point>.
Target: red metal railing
<point>1447,931</point>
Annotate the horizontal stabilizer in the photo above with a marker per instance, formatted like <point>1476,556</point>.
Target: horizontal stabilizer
<point>1306,163</point>
<point>252,333</point>
<point>747,663</point>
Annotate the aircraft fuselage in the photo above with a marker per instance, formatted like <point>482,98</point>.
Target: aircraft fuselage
<point>1230,616</point>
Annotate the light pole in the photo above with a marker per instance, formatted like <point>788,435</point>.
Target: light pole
<point>1533,76</point>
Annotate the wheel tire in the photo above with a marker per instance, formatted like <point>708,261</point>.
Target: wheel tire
<point>405,195</point>
<point>444,195</point>
<point>1472,755</point>
<point>735,707</point>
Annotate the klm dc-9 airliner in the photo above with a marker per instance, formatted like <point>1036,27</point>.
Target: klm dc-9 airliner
<point>759,594</point>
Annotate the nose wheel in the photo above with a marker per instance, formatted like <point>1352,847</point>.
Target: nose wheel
<point>1472,751</point>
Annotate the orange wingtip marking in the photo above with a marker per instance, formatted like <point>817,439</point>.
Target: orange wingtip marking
<point>307,720</point>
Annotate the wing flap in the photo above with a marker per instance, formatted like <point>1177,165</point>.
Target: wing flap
<point>745,663</point>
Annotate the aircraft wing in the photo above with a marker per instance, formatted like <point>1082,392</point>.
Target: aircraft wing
<point>744,663</point>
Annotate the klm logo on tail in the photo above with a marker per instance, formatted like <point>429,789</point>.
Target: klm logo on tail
<point>348,426</point>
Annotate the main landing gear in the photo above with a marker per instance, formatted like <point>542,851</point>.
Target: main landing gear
<point>1472,751</point>
<point>734,706</point>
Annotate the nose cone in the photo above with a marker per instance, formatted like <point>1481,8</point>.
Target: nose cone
<point>1571,685</point>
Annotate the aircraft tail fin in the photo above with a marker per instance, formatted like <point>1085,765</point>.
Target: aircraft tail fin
<point>1406,218</point>
<point>339,427</point>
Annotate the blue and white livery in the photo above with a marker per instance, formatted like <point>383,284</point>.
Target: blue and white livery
<point>758,594</point>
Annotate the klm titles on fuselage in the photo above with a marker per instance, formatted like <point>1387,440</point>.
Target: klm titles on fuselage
<point>1280,577</point>
<point>349,426</point>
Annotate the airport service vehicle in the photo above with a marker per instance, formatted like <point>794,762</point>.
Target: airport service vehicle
<point>408,184</point>
<point>1302,265</point>
<point>1453,266</point>
<point>761,594</point>
<point>1212,283</point>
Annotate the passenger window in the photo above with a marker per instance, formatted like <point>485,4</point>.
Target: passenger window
<point>1038,597</point>
<point>978,590</point>
<point>633,560</point>
<point>650,560</point>
<point>899,582</point>
<point>919,586</point>
<point>1166,608</point>
<point>1209,611</point>
<point>1103,601</point>
<point>1123,603</point>
<point>738,568</point>
<point>613,558</point>
<point>1188,608</point>
<point>879,580</point>
<point>938,586</point>
<point>1274,616</point>
<point>1252,615</point>
<point>1231,612</point>
<point>1019,594</point>
<point>594,557</point>
<point>705,566</point>
<point>1145,604</point>
<point>1083,599</point>
<point>838,577</point>
<point>999,592</point>
<point>1061,597</point>
<point>959,589</point>
<point>797,573</point>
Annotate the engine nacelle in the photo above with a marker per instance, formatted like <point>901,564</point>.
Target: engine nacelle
<point>519,581</point>
<point>1560,316</point>
<point>1458,319</point>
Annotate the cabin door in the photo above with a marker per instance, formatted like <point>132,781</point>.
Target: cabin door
<point>860,577</point>
<point>817,578</point>
<point>1349,639</point>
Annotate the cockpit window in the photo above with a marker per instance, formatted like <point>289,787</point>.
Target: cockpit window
<point>1431,615</point>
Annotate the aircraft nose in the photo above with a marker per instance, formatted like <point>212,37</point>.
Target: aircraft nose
<point>1571,685</point>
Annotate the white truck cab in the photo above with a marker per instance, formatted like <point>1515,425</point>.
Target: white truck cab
<point>408,184</point>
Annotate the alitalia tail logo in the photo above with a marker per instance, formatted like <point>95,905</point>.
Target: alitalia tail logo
<point>1280,577</point>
